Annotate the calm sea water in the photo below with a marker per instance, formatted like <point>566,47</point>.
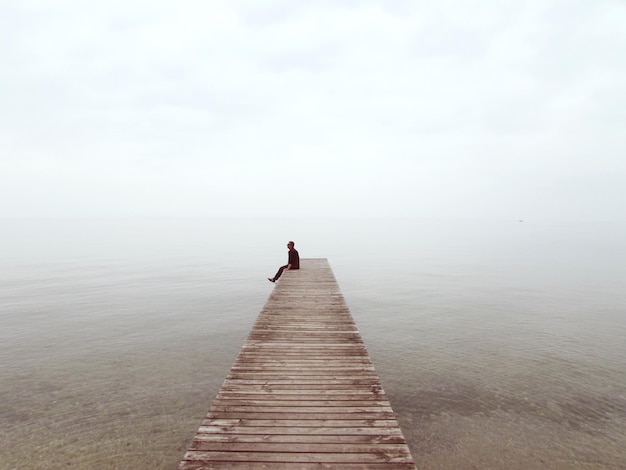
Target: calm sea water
<point>501,344</point>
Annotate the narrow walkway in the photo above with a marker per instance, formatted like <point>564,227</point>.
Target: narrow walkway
<point>303,392</point>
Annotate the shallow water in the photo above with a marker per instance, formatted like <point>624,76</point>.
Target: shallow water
<point>500,344</point>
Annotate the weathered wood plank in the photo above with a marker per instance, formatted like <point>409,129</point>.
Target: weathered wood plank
<point>301,368</point>
<point>314,423</point>
<point>302,416</point>
<point>298,447</point>
<point>349,402</point>
<point>300,434</point>
<point>218,465</point>
<point>303,392</point>
<point>264,408</point>
<point>381,455</point>
<point>264,385</point>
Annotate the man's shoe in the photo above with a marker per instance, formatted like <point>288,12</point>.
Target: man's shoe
<point>270,279</point>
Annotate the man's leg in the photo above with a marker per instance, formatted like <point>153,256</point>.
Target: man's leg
<point>278,274</point>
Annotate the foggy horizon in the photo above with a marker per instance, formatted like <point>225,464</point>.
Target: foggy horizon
<point>478,110</point>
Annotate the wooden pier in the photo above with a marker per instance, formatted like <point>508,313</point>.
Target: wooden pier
<point>303,392</point>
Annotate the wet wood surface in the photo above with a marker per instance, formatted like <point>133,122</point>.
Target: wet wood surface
<point>303,392</point>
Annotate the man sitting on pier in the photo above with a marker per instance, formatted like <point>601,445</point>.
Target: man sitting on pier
<point>292,263</point>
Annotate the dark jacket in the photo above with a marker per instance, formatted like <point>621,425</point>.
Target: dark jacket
<point>294,259</point>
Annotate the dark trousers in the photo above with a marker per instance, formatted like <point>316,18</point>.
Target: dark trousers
<point>280,272</point>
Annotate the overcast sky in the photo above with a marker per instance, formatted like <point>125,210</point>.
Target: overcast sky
<point>446,108</point>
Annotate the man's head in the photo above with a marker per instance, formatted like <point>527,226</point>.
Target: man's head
<point>290,245</point>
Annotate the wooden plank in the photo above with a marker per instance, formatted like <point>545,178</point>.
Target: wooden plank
<point>298,447</point>
<point>315,423</point>
<point>303,392</point>
<point>300,434</point>
<point>382,455</point>
<point>296,438</point>
<point>240,401</point>
<point>266,386</point>
<point>300,416</point>
<point>300,394</point>
<point>220,465</point>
